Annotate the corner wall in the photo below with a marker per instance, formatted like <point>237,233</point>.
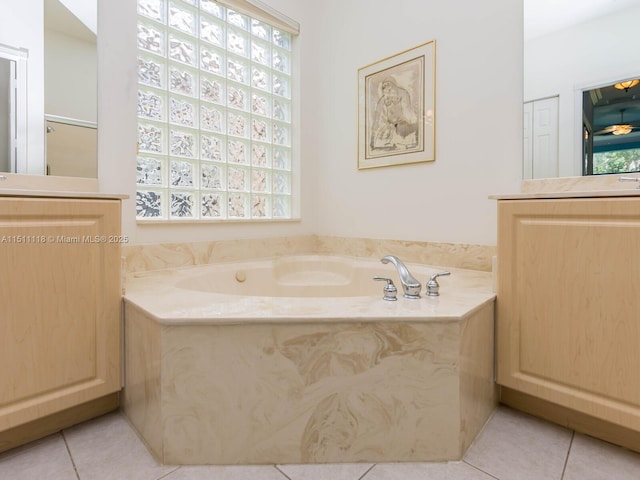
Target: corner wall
<point>478,121</point>
<point>478,118</point>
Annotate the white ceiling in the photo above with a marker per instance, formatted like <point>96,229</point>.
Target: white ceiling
<point>542,17</point>
<point>60,18</point>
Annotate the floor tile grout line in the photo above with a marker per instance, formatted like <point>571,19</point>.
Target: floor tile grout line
<point>169,473</point>
<point>480,470</point>
<point>361,477</point>
<point>285,475</point>
<point>367,472</point>
<point>66,444</point>
<point>566,460</point>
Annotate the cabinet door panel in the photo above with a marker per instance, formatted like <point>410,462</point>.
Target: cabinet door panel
<point>568,304</point>
<point>59,305</point>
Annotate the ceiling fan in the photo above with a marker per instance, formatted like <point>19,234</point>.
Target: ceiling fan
<point>620,128</point>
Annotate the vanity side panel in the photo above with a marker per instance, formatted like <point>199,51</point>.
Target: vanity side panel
<point>567,307</point>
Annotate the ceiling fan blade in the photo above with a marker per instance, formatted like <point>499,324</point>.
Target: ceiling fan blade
<point>613,128</point>
<point>604,131</point>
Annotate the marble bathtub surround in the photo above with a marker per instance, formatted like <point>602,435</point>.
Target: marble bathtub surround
<point>233,378</point>
<point>458,255</point>
<point>309,392</point>
<point>171,255</point>
<point>333,289</point>
<point>140,258</point>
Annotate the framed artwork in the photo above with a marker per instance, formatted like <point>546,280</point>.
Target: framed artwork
<point>396,109</point>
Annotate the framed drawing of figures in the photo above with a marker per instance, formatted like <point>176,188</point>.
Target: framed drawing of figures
<point>396,109</point>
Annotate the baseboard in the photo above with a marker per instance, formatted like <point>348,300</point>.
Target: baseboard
<point>42,427</point>
<point>566,417</point>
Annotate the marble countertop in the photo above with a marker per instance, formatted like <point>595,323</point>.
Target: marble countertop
<point>590,186</point>
<point>568,194</point>
<point>20,185</point>
<point>17,192</point>
<point>157,294</point>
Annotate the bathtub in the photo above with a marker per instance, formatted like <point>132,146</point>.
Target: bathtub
<point>298,359</point>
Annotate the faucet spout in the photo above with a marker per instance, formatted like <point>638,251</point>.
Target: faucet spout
<point>410,285</point>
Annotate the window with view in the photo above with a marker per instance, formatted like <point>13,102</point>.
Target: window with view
<point>214,114</point>
<point>616,161</point>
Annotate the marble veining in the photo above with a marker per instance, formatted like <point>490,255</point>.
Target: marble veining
<point>307,382</point>
<point>212,293</point>
<point>466,256</point>
<point>139,258</point>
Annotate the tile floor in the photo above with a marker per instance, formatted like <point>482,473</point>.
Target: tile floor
<point>512,446</point>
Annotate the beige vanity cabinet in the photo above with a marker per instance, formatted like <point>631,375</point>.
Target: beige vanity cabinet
<point>568,307</point>
<point>59,305</point>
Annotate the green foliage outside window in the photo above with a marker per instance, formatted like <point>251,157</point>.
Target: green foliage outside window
<point>620,161</point>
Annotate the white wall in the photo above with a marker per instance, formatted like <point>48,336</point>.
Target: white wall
<point>21,26</point>
<point>478,118</point>
<point>85,10</point>
<point>582,57</point>
<point>478,121</point>
<point>70,77</point>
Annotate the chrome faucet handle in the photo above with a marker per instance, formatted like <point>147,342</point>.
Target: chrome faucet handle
<point>433,287</point>
<point>390,291</point>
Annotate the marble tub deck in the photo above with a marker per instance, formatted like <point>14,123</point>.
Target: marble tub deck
<point>410,381</point>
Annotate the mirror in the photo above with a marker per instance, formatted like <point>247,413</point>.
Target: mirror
<point>6,113</point>
<point>48,124</point>
<point>611,126</point>
<point>574,52</point>
<point>8,116</point>
<point>70,87</point>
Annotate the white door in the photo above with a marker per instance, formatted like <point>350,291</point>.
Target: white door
<point>541,138</point>
<point>527,149</point>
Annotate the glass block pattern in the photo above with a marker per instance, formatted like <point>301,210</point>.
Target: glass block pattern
<point>182,205</point>
<point>148,204</point>
<point>211,206</point>
<point>214,109</point>
<point>149,171</point>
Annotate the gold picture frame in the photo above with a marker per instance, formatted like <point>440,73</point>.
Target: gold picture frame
<point>396,109</point>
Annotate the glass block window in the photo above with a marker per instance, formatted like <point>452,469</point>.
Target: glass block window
<point>214,114</point>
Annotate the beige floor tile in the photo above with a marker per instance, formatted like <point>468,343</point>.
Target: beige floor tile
<point>226,473</point>
<point>334,471</point>
<point>46,459</point>
<point>592,459</point>
<point>107,448</point>
<point>514,445</point>
<point>424,471</point>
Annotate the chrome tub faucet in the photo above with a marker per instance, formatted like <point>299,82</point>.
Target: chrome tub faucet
<point>410,285</point>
